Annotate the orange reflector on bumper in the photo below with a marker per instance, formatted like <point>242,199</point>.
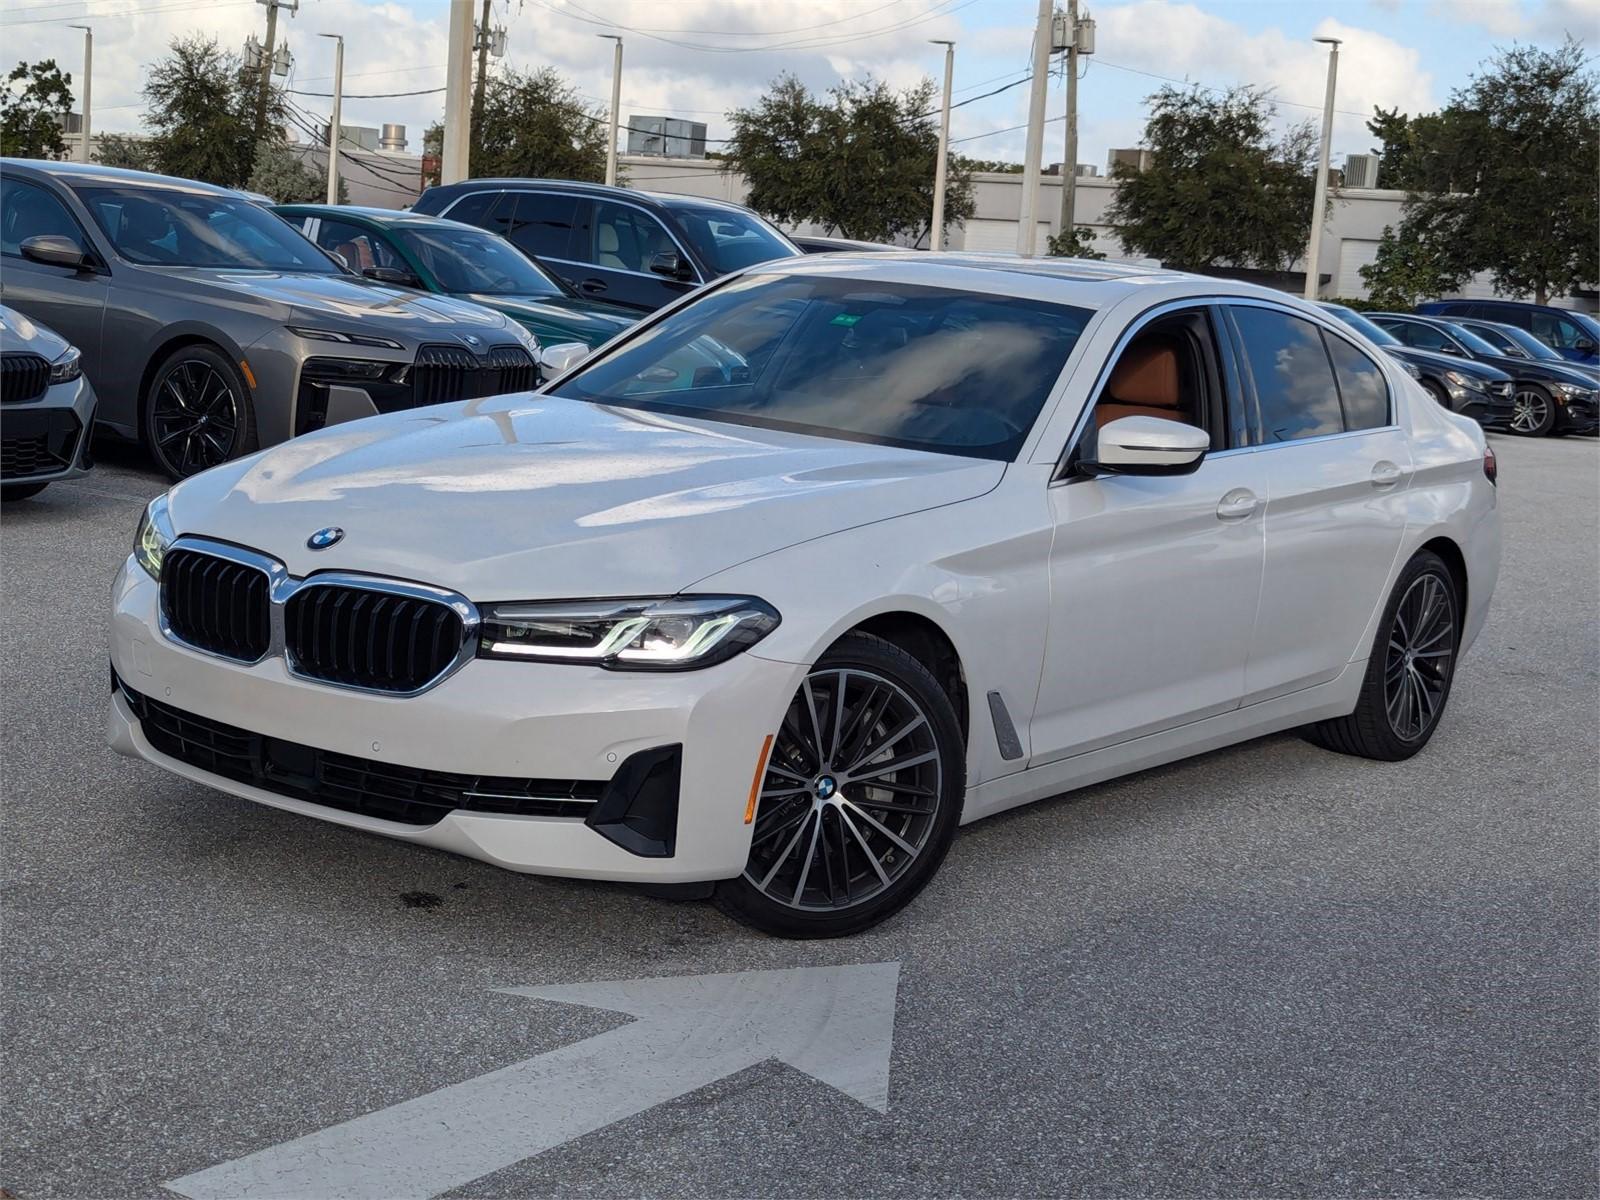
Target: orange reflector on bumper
<point>249,375</point>
<point>755,784</point>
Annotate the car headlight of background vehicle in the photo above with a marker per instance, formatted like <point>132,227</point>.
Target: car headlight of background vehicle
<point>669,633</point>
<point>68,367</point>
<point>1573,391</point>
<point>154,536</point>
<point>1464,381</point>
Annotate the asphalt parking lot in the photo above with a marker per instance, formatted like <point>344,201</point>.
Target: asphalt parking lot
<point>1267,971</point>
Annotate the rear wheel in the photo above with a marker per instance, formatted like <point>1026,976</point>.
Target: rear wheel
<point>197,412</point>
<point>1533,411</point>
<point>1409,671</point>
<point>861,797</point>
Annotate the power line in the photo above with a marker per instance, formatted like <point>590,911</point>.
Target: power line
<point>130,12</point>
<point>770,32</point>
<point>1213,88</point>
<point>367,95</point>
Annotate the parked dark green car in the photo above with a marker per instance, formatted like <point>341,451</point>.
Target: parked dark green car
<point>448,257</point>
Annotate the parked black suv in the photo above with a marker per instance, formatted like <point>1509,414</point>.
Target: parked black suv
<point>639,249</point>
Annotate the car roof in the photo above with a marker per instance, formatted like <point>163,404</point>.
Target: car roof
<point>80,173</point>
<point>374,215</point>
<point>660,199</point>
<point>1089,283</point>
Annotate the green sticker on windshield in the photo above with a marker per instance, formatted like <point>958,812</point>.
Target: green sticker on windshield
<point>846,319</point>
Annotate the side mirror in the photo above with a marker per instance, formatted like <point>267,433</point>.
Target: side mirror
<point>561,358</point>
<point>397,276</point>
<point>669,264</point>
<point>54,250</point>
<point>1147,446</point>
<point>1584,346</point>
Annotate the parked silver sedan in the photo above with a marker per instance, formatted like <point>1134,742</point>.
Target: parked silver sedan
<point>48,408</point>
<point>210,327</point>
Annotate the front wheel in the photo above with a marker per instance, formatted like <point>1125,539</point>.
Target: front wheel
<point>1533,411</point>
<point>197,412</point>
<point>861,797</point>
<point>1409,672</point>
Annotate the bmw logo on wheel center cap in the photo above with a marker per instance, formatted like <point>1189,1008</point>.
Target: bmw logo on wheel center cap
<point>323,538</point>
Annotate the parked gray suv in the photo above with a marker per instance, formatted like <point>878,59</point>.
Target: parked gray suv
<point>210,327</point>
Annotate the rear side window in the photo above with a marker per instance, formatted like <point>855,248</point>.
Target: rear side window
<point>1363,390</point>
<point>541,224</point>
<point>1295,388</point>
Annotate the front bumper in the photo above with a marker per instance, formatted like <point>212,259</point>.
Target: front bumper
<point>1577,416</point>
<point>492,718</point>
<point>47,439</point>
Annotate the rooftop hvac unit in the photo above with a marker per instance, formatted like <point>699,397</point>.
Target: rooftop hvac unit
<point>394,139</point>
<point>1136,157</point>
<point>1361,170</point>
<point>666,137</point>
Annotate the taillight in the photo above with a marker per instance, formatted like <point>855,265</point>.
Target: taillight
<point>1491,468</point>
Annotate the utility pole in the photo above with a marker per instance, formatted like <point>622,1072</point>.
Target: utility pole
<point>936,231</point>
<point>482,41</point>
<point>264,92</point>
<point>1069,158</point>
<point>1027,228</point>
<point>334,127</point>
<point>1314,245</point>
<point>88,80</point>
<point>616,103</point>
<point>454,158</point>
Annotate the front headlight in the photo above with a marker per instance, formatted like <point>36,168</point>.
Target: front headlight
<point>154,536</point>
<point>68,367</point>
<point>343,339</point>
<point>671,633</point>
<point>1464,381</point>
<point>1573,391</point>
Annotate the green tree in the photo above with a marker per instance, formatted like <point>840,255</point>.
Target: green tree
<point>1409,265</point>
<point>33,107</point>
<point>989,164</point>
<point>120,150</point>
<point>536,124</point>
<point>1503,178</point>
<point>202,113</point>
<point>1078,242</point>
<point>859,160</point>
<point>1221,191</point>
<point>289,177</point>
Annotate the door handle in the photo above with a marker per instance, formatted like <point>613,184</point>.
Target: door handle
<point>593,285</point>
<point>1385,474</point>
<point>1237,505</point>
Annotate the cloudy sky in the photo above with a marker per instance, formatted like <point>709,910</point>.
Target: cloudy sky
<point>699,58</point>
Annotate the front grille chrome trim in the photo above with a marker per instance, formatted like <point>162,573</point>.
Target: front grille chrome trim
<point>281,585</point>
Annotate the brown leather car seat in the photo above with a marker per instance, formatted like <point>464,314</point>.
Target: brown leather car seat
<point>1144,383</point>
<point>356,253</point>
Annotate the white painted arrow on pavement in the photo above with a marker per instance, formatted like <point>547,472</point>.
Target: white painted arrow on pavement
<point>834,1023</point>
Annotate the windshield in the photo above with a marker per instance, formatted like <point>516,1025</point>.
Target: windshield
<point>1375,334</point>
<point>469,260</point>
<point>729,239</point>
<point>161,228</point>
<point>929,368</point>
<point>1520,340</point>
<point>1471,341</point>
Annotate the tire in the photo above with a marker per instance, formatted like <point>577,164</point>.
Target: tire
<point>1438,393</point>
<point>1401,701</point>
<point>197,412</point>
<point>832,855</point>
<point>20,491</point>
<point>1534,411</point>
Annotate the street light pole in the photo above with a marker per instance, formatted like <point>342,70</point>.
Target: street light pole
<point>936,231</point>
<point>616,103</point>
<point>1027,228</point>
<point>334,128</point>
<point>1319,201</point>
<point>454,156</point>
<point>88,80</point>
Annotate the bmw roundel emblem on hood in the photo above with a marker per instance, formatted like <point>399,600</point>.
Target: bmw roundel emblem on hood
<point>471,340</point>
<point>323,538</point>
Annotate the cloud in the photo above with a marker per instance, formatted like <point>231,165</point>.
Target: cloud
<point>1540,20</point>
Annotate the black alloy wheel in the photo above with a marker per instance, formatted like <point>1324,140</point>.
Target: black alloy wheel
<point>197,412</point>
<point>1409,671</point>
<point>861,796</point>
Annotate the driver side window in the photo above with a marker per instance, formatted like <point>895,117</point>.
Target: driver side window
<point>27,210</point>
<point>1171,369</point>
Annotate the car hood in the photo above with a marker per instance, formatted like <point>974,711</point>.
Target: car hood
<point>537,497</point>
<point>17,332</point>
<point>340,299</point>
<point>1448,362</point>
<point>569,317</point>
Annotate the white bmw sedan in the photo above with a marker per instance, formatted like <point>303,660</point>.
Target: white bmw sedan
<point>792,579</point>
